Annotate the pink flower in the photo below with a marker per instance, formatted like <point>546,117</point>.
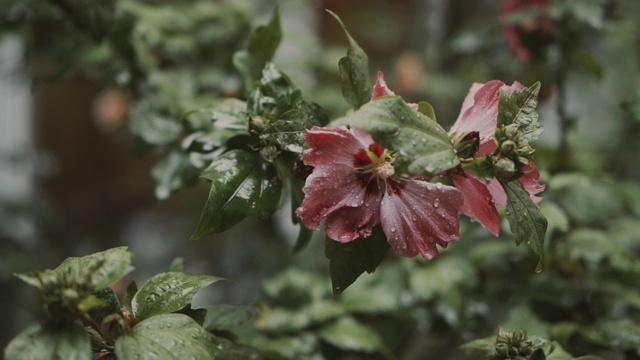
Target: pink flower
<point>353,187</point>
<point>380,89</point>
<point>479,113</point>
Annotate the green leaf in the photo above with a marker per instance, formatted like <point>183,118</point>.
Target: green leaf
<point>50,342</point>
<point>263,43</point>
<point>354,72</point>
<point>288,133</point>
<point>241,185</point>
<point>152,127</point>
<point>347,261</point>
<point>173,172</point>
<point>102,268</point>
<point>487,344</point>
<point>109,304</point>
<point>348,334</point>
<point>177,265</point>
<point>132,289</point>
<point>525,219</point>
<point>624,334</point>
<point>422,144</point>
<point>522,318</point>
<point>554,351</point>
<point>427,110</point>
<point>168,292</point>
<point>520,108</point>
<point>168,336</point>
<point>445,278</point>
<point>237,320</point>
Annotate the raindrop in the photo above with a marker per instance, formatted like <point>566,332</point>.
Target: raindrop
<point>438,185</point>
<point>539,267</point>
<point>415,218</point>
<point>436,203</point>
<point>393,229</point>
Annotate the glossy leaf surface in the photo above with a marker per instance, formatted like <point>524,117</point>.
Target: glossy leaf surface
<point>241,185</point>
<point>168,292</point>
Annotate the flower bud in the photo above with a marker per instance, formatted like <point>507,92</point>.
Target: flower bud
<point>507,147</point>
<point>511,131</point>
<point>505,168</point>
<point>468,145</point>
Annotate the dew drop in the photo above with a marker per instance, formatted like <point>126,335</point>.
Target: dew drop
<point>393,229</point>
<point>415,218</point>
<point>436,204</point>
<point>438,185</point>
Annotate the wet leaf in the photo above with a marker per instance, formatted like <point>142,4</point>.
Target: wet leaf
<point>241,185</point>
<point>520,108</point>
<point>348,334</point>
<point>347,261</point>
<point>172,173</point>
<point>168,292</point>
<point>168,336</point>
<point>354,72</point>
<point>102,268</point>
<point>109,304</point>
<point>526,221</point>
<point>423,146</point>
<point>50,342</point>
<point>263,43</point>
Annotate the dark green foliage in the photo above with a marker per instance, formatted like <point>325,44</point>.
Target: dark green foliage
<point>354,72</point>
<point>350,260</point>
<point>527,223</point>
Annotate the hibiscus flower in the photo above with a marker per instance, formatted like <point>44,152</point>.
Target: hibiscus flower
<point>354,187</point>
<point>479,114</point>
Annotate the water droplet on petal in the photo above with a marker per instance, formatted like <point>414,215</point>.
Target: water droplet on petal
<point>438,185</point>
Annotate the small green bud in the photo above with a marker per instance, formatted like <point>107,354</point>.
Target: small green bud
<point>505,168</point>
<point>507,147</point>
<point>269,153</point>
<point>467,146</point>
<point>511,131</point>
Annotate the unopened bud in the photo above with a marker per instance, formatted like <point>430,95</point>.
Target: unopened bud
<point>507,147</point>
<point>511,131</point>
<point>505,168</point>
<point>269,153</point>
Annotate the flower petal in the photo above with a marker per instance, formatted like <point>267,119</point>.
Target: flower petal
<point>416,215</point>
<point>350,223</point>
<point>478,202</point>
<point>530,182</point>
<point>480,109</point>
<point>330,188</point>
<point>380,88</point>
<point>337,145</point>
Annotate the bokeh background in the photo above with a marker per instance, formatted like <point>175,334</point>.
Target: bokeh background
<point>76,160</point>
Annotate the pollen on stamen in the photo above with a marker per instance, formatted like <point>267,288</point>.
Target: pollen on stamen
<point>385,170</point>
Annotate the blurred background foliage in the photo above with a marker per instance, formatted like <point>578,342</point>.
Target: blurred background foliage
<point>106,162</point>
